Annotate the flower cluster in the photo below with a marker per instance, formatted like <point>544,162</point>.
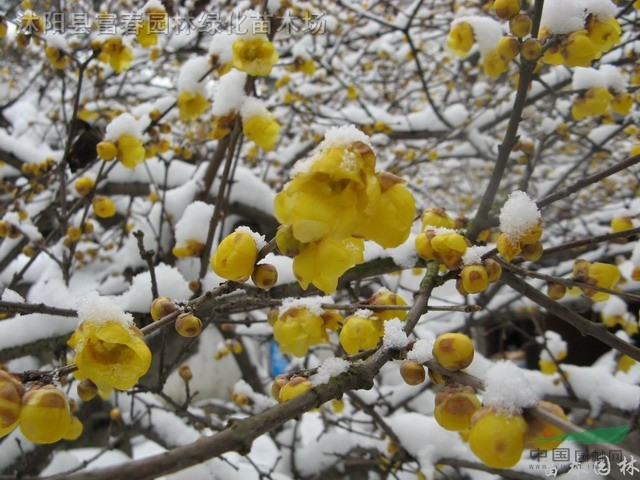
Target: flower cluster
<point>298,328</point>
<point>154,20</point>
<point>43,413</point>
<point>364,329</point>
<point>123,140</point>
<point>600,101</point>
<point>116,52</point>
<point>599,34</point>
<point>192,97</point>
<point>444,245</point>
<point>603,275</point>
<point>109,349</point>
<point>334,202</point>
<point>520,227</point>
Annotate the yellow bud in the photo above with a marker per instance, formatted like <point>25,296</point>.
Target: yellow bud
<point>454,351</point>
<point>161,307</point>
<point>45,415</point>
<point>497,438</point>
<point>556,291</point>
<point>241,399</point>
<point>412,372</point>
<point>10,403</point>
<point>520,25</point>
<point>532,252</point>
<point>294,387</point>
<point>115,415</point>
<point>540,429</point>
<point>531,49</point>
<point>423,246</point>
<point>505,9</point>
<point>235,257</point>
<point>436,217</point>
<point>359,333</point>
<point>455,405</point>
<point>507,248</point>
<point>87,390</point>
<point>474,278</point>
<point>107,150</point>
<point>84,185</point>
<point>279,382</point>
<point>74,233</point>
<point>185,372</point>
<point>494,270</point>
<point>619,224</point>
<point>508,48</point>
<point>188,325</point>
<point>385,297</point>
<point>103,207</point>
<point>264,276</point>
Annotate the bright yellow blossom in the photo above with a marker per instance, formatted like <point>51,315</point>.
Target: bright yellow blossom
<point>117,54</point>
<point>263,130</point>
<point>45,416</point>
<point>359,333</point>
<point>256,56</point>
<point>297,329</point>
<point>110,353</point>
<point>235,257</point>
<point>191,105</point>
<point>324,261</point>
<point>57,57</point>
<point>461,38</point>
<point>131,151</point>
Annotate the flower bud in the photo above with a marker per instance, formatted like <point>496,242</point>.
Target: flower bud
<point>279,382</point>
<point>45,415</point>
<point>494,270</point>
<point>505,9</point>
<point>188,325</point>
<point>532,252</point>
<point>474,278</point>
<point>87,390</point>
<point>455,405</point>
<point>539,429</point>
<point>264,276</point>
<point>531,49</point>
<point>412,372</point>
<point>10,402</point>
<point>241,399</point>
<point>294,387</point>
<point>436,217</point>
<point>508,48</point>
<point>185,372</point>
<point>161,307</point>
<point>423,246</point>
<point>107,150</point>
<point>285,241</point>
<point>556,291</point>
<point>454,351</point>
<point>103,206</point>
<point>520,25</point>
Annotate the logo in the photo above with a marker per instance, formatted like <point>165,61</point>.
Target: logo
<point>600,435</point>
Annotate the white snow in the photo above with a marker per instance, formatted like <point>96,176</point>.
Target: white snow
<point>363,313</point>
<point>635,256</point>
<point>191,76</point>
<point>313,304</point>
<point>194,223</point>
<point>98,309</point>
<point>253,107</point>
<point>221,47</point>
<point>605,76</point>
<point>229,94</point>
<point>474,254</point>
<point>518,215</point>
<point>507,389</point>
<point>331,367</point>
<point>555,344</point>
<point>422,350</point>
<point>9,295</point>
<point>123,124</point>
<point>394,336</point>
<point>171,284</point>
<point>486,30</point>
<point>260,401</point>
<point>565,16</point>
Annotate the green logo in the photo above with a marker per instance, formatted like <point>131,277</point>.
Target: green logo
<point>600,435</point>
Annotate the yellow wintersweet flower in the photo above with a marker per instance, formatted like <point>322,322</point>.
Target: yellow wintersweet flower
<point>579,50</point>
<point>57,57</point>
<point>131,151</point>
<point>449,247</point>
<point>256,56</point>
<point>235,257</point>
<point>461,38</point>
<point>10,403</point>
<point>493,64</point>
<point>596,101</point>
<point>110,353</point>
<point>385,297</point>
<point>437,218</point>
<point>622,103</point>
<point>297,329</point>
<point>263,130</point>
<point>45,416</point>
<point>604,34</point>
<point>393,215</point>
<point>323,262</point>
<point>117,54</point>
<point>190,248</point>
<point>359,333</point>
<point>605,275</point>
<point>191,105</point>
<point>155,21</point>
